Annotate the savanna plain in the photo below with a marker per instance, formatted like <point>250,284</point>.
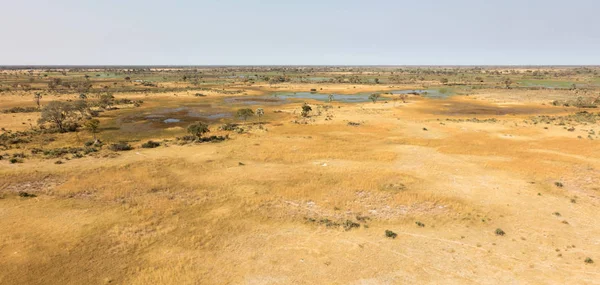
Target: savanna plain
<point>299,175</point>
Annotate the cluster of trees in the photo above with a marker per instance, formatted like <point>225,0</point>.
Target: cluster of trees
<point>80,86</point>
<point>66,116</point>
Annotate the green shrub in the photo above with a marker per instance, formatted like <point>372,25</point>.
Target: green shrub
<point>26,195</point>
<point>15,160</point>
<point>348,225</point>
<point>500,232</point>
<point>390,234</point>
<point>121,146</point>
<point>150,144</point>
<point>420,224</point>
<point>588,260</point>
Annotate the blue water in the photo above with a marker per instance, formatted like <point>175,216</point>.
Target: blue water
<point>282,97</point>
<point>429,93</point>
<point>345,98</point>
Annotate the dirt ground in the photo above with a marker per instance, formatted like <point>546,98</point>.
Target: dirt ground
<point>496,199</point>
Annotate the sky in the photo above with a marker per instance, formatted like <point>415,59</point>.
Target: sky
<point>303,32</point>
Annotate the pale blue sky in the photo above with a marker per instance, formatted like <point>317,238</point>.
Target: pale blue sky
<point>320,32</point>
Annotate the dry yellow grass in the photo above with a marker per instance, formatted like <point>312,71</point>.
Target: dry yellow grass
<point>193,215</point>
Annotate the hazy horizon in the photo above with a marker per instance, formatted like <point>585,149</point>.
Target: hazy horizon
<point>316,33</point>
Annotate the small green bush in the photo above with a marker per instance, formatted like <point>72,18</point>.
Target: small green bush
<point>15,160</point>
<point>121,146</point>
<point>588,260</point>
<point>390,234</point>
<point>26,195</point>
<point>150,144</point>
<point>420,224</point>
<point>348,225</point>
<point>500,232</point>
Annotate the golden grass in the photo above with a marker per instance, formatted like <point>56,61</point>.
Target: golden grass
<point>193,214</point>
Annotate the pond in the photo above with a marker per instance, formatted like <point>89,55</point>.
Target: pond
<point>177,116</point>
<point>428,93</point>
<point>284,97</point>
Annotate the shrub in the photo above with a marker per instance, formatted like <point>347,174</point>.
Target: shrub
<point>420,224</point>
<point>500,232</point>
<point>21,110</point>
<point>373,97</point>
<point>588,260</point>
<point>26,195</point>
<point>245,113</point>
<point>305,110</point>
<point>228,127</point>
<point>15,160</point>
<point>121,146</point>
<point>348,225</point>
<point>150,144</point>
<point>390,234</point>
<point>558,184</point>
<point>198,129</point>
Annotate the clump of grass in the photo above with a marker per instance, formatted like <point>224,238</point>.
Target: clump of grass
<point>348,225</point>
<point>390,234</point>
<point>556,214</point>
<point>26,195</point>
<point>499,232</point>
<point>420,224</point>
<point>363,219</point>
<point>15,160</point>
<point>150,144</point>
<point>558,184</point>
<point>121,146</point>
<point>588,260</point>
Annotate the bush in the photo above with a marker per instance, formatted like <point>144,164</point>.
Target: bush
<point>26,195</point>
<point>588,260</point>
<point>15,160</point>
<point>121,146</point>
<point>348,225</point>
<point>390,234</point>
<point>228,127</point>
<point>150,144</point>
<point>558,184</point>
<point>21,110</point>
<point>420,224</point>
<point>500,232</point>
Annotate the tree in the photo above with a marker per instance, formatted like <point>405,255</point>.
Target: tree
<point>259,113</point>
<point>82,96</point>
<point>198,129</point>
<point>107,99</point>
<point>330,97</point>
<point>444,80</point>
<point>376,80</point>
<point>373,97</point>
<point>305,110</point>
<point>59,113</point>
<point>92,125</point>
<point>245,113</point>
<point>37,97</point>
<point>403,97</point>
<point>507,82</point>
